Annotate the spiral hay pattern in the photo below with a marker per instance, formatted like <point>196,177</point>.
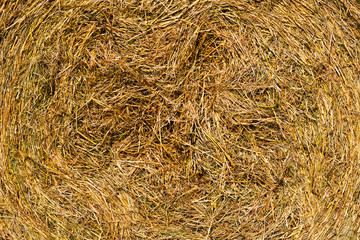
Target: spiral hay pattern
<point>205,119</point>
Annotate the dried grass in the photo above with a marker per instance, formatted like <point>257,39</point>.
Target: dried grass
<point>179,119</point>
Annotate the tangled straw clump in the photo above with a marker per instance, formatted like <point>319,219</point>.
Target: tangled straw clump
<point>179,119</point>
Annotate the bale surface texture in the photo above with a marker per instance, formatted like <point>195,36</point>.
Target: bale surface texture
<point>163,119</point>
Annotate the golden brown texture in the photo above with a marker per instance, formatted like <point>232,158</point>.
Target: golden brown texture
<point>163,119</point>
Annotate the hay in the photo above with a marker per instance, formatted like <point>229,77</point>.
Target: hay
<point>179,119</point>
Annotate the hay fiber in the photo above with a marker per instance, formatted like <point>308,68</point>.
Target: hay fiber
<point>179,119</point>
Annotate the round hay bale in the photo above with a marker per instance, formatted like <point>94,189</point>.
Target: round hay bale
<point>179,119</point>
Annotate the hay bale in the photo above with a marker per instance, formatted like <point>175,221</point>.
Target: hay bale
<point>179,119</point>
